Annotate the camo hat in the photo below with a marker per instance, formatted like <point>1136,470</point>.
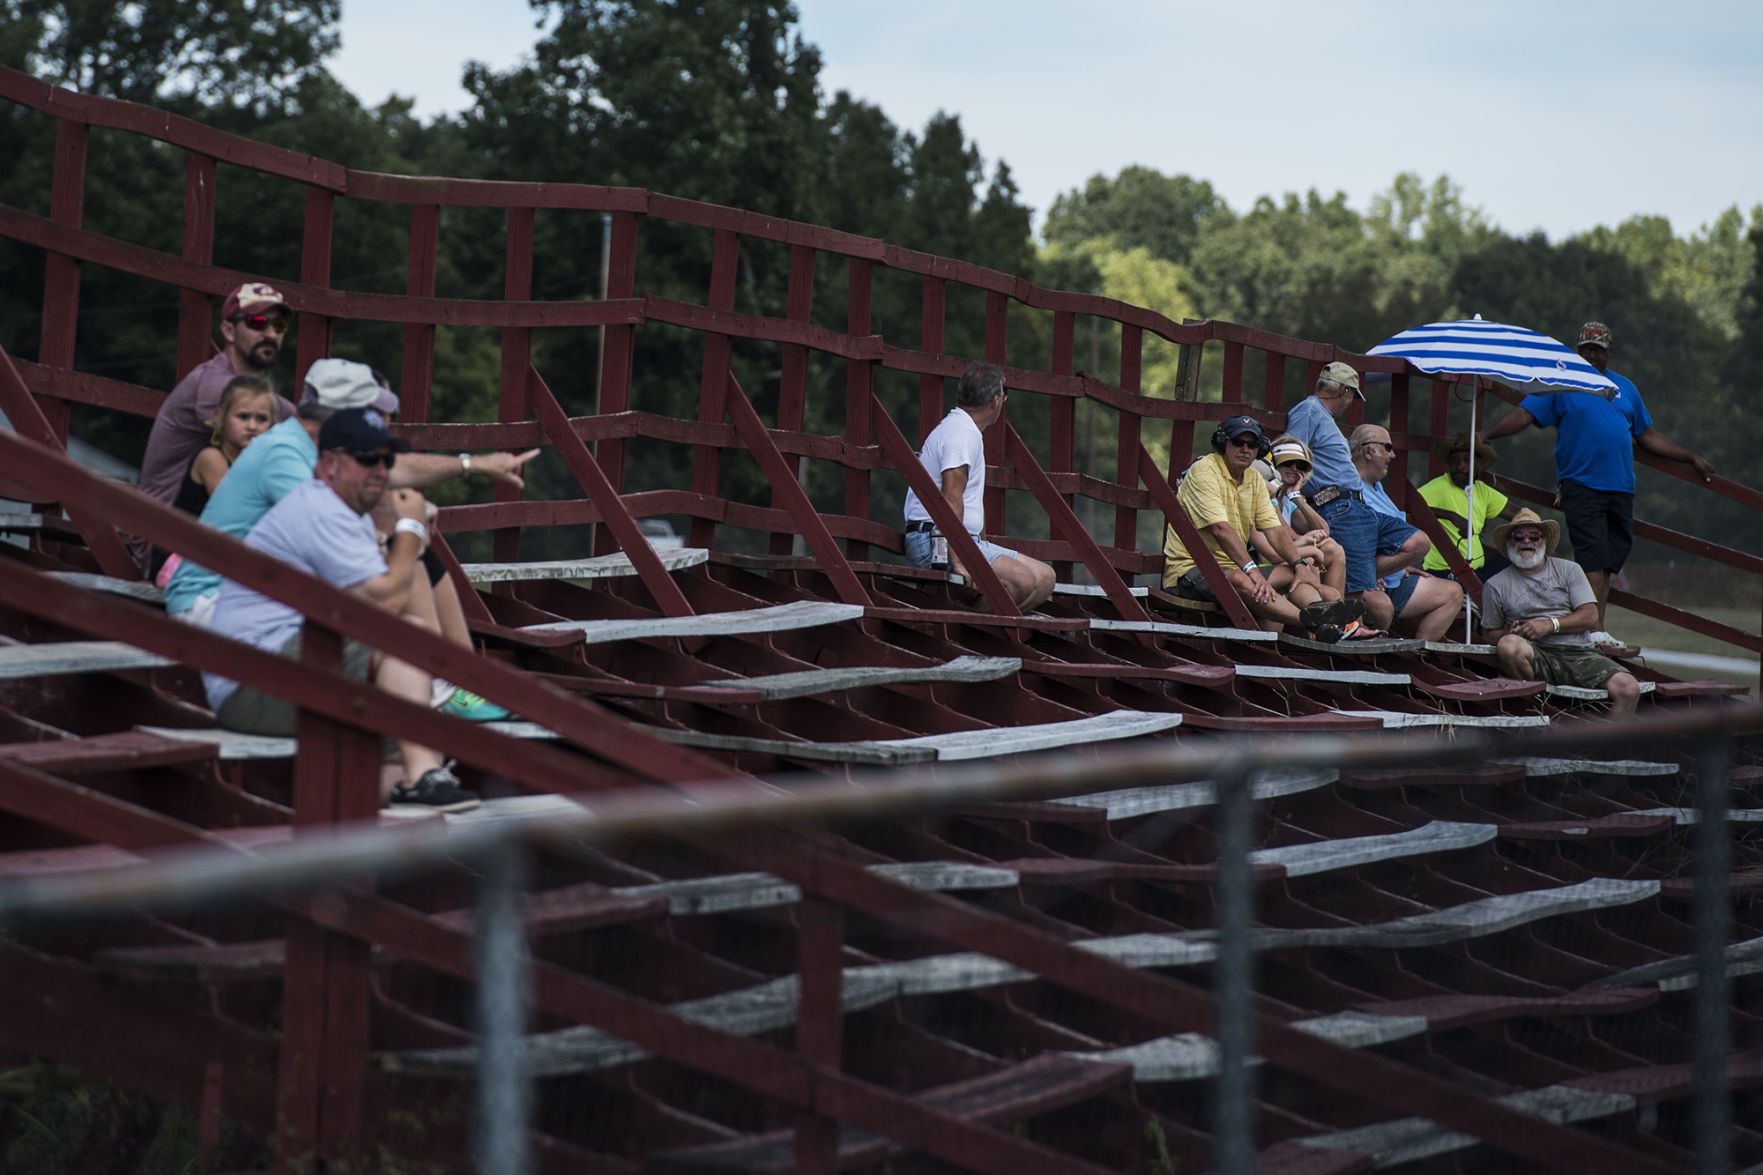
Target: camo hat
<point>1594,334</point>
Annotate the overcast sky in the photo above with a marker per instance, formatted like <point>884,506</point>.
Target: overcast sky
<point>1550,116</point>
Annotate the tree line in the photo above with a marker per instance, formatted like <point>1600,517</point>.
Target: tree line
<point>721,101</point>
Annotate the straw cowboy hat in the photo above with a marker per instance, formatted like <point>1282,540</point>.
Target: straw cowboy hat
<point>1528,517</point>
<point>1485,454</point>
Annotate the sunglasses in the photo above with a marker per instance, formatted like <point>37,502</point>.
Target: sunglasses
<point>1246,441</point>
<point>369,460</point>
<point>263,323</point>
<point>1527,536</point>
<point>1300,466</point>
<point>1384,445</point>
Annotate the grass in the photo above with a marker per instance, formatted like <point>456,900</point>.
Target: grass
<point>1657,634</point>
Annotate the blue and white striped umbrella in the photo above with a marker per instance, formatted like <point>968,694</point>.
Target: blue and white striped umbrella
<point>1521,359</point>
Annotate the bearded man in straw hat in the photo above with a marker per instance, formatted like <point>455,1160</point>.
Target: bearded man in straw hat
<point>1448,495</point>
<point>1539,612</point>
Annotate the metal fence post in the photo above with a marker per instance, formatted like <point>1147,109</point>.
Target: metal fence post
<point>1234,1113</point>
<point>504,1092</point>
<point>1711,1045</point>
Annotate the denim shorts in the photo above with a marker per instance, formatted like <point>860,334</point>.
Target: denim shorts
<point>1402,593</point>
<point>1363,534</point>
<point>918,548</point>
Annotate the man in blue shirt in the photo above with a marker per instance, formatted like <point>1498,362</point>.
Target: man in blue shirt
<point>1336,492</point>
<point>1594,464</point>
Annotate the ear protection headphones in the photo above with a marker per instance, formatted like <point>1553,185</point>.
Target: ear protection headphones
<point>1236,426</point>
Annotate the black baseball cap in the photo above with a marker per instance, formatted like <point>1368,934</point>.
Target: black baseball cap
<point>359,430</point>
<point>1236,426</point>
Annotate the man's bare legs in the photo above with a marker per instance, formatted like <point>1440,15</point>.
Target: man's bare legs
<point>1029,581</point>
<point>1600,581</point>
<point>1433,607</point>
<point>1379,612</point>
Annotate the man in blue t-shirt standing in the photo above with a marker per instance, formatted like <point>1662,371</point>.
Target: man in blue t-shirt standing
<point>1594,464</point>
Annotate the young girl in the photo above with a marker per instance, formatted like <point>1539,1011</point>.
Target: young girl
<point>248,406</point>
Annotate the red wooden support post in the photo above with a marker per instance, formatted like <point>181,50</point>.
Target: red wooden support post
<point>615,358</point>
<point>315,270</point>
<point>1177,519</point>
<point>1440,424</point>
<point>819,1023</point>
<point>930,341</point>
<point>713,380</point>
<point>1273,387</point>
<point>326,994</point>
<point>859,380</point>
<point>619,524</point>
<point>997,351</point>
<point>195,310</point>
<point>1063,456</point>
<point>1233,372</point>
<point>1126,518</point>
<point>418,372</point>
<point>517,347</point>
<point>792,393</point>
<point>61,274</point>
<point>786,492</point>
<point>1064,524</point>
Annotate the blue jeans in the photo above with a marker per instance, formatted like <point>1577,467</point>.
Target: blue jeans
<point>1363,534</point>
<point>918,548</point>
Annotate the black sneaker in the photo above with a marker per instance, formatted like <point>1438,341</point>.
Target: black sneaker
<point>1339,613</point>
<point>438,790</point>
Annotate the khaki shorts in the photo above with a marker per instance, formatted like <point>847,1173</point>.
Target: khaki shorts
<point>250,712</point>
<point>1574,666</point>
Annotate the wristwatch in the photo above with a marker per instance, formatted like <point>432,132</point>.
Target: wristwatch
<point>464,464</point>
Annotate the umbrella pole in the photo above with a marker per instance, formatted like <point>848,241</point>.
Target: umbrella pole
<point>1469,514</point>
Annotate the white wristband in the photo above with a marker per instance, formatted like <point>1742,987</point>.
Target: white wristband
<point>412,526</point>
<point>1556,621</point>
<point>464,464</point>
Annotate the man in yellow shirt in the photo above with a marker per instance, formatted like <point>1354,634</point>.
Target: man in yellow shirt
<point>1450,500</point>
<point>1226,502</point>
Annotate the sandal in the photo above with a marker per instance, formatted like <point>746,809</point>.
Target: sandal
<point>1338,613</point>
<point>1359,631</point>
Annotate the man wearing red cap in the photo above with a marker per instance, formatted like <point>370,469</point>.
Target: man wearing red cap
<point>1594,464</point>
<point>253,322</point>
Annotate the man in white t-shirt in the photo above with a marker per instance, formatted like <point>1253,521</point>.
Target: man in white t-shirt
<point>323,528</point>
<point>955,456</point>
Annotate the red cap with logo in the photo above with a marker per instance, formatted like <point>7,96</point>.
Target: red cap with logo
<point>251,298</point>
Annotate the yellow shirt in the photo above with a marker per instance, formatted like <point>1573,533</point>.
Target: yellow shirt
<point>1441,493</point>
<point>1210,495</point>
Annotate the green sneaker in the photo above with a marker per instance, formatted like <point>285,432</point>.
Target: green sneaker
<point>472,707</point>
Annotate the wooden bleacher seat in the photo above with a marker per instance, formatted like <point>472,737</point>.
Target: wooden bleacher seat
<point>65,657</point>
<point>779,686</point>
<point>1364,648</point>
<point>1165,628</point>
<point>1537,766</point>
<point>610,566</point>
<point>134,589</point>
<point>1399,720</point>
<point>231,744</point>
<point>777,618</point>
<point>1175,797</point>
<point>955,745</point>
<point>1577,693</point>
<point>1336,676</point>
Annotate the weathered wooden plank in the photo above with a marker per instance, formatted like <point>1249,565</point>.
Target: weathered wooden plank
<point>1166,628</point>
<point>1535,766</point>
<point>596,567</point>
<point>1339,676</point>
<point>779,686</point>
<point>1580,693</point>
<point>1488,690</point>
<point>1462,650</point>
<point>952,746</point>
<point>229,744</point>
<point>1408,1140</point>
<point>198,963</point>
<point>1094,590</point>
<point>1679,974</point>
<point>124,750</point>
<point>777,618</point>
<point>755,891</point>
<point>135,589</point>
<point>1439,836</point>
<point>1175,797</point>
<point>64,657</point>
<point>1393,720</point>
